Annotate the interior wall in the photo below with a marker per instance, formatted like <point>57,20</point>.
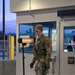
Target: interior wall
<point>40,16</point>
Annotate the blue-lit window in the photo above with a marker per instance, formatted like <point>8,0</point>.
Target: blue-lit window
<point>26,31</point>
<point>69,39</point>
<point>46,31</point>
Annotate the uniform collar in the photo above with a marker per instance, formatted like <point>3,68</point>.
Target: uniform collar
<point>41,37</point>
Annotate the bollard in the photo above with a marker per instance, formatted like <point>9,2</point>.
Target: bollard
<point>11,48</point>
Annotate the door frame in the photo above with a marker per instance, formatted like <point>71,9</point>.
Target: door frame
<point>61,46</point>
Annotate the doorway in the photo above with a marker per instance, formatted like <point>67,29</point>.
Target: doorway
<point>67,48</point>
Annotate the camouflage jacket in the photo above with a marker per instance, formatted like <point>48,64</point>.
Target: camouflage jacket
<point>42,50</point>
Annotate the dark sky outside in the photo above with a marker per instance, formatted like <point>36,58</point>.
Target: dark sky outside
<point>10,18</point>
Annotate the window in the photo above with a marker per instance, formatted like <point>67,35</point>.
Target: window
<point>10,19</point>
<point>10,24</point>
<point>10,29</point>
<point>26,31</point>
<point>46,31</point>
<point>69,39</point>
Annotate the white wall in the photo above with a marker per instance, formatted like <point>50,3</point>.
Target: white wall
<point>24,5</point>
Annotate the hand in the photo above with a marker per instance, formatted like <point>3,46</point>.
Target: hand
<point>47,66</point>
<point>31,65</point>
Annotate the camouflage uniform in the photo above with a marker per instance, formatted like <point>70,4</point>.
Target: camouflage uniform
<point>42,54</point>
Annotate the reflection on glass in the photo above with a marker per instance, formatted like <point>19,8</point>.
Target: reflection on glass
<point>10,28</point>
<point>26,31</point>
<point>69,39</point>
<point>46,31</point>
<point>53,40</point>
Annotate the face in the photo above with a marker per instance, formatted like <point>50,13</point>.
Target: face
<point>37,31</point>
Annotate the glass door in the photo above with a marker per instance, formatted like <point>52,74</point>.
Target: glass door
<point>67,48</point>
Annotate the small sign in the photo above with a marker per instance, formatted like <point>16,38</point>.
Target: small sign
<point>71,60</point>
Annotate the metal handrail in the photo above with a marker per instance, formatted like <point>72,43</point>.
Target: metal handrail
<point>3,40</point>
<point>3,49</point>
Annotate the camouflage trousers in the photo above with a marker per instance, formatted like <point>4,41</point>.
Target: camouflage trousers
<point>39,69</point>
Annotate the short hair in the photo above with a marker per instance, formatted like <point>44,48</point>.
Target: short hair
<point>39,26</point>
